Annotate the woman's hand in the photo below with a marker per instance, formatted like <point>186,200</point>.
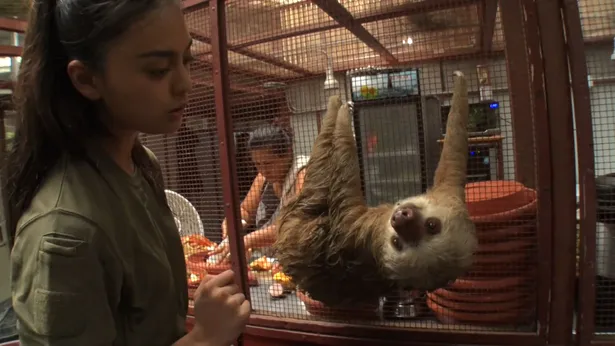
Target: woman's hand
<point>224,229</point>
<point>223,251</point>
<point>221,311</point>
<point>262,238</point>
<point>244,224</point>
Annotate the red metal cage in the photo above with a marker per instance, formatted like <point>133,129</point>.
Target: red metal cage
<point>264,63</point>
<point>541,149</point>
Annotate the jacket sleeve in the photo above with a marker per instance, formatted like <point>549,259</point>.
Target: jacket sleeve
<point>58,285</point>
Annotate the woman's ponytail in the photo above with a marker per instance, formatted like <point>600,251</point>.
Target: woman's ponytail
<point>40,70</point>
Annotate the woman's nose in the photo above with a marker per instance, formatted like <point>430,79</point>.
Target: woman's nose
<point>182,83</point>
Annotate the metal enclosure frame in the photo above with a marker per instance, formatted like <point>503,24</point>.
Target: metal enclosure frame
<point>544,88</point>
<point>543,55</point>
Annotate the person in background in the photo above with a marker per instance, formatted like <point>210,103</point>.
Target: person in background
<point>280,176</point>
<point>96,257</point>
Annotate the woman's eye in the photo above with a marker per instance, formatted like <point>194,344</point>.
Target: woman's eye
<point>158,73</point>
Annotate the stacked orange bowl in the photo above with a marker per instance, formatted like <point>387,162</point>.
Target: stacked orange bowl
<point>499,289</point>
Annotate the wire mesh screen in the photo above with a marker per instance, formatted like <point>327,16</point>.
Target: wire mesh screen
<point>190,162</point>
<point>393,61</point>
<point>598,24</point>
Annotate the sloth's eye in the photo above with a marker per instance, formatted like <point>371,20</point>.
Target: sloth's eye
<point>433,225</point>
<point>396,243</point>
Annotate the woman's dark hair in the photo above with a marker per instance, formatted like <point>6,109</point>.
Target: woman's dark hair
<point>271,137</point>
<point>55,119</point>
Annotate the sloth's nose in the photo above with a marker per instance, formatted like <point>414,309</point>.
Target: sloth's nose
<point>404,222</point>
<point>402,216</point>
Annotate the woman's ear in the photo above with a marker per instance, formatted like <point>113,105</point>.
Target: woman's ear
<point>83,80</point>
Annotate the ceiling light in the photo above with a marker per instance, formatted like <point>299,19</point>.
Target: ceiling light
<point>409,40</point>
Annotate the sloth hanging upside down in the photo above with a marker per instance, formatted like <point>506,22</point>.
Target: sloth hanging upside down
<point>340,251</point>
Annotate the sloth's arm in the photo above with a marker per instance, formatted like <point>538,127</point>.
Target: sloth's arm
<point>347,203</point>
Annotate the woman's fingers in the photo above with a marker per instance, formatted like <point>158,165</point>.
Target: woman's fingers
<point>216,250</point>
<point>230,289</point>
<point>245,309</point>
<point>236,299</point>
<point>223,279</point>
<point>227,258</point>
<point>224,255</point>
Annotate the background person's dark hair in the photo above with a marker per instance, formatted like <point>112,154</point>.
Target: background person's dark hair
<point>271,137</point>
<point>55,119</point>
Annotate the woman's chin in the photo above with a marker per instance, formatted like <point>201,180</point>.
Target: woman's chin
<point>163,129</point>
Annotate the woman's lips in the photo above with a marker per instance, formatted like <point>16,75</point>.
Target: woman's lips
<point>177,112</point>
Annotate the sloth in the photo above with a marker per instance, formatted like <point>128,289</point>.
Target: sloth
<point>341,252</point>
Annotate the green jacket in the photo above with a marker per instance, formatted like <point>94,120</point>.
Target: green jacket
<point>97,260</point>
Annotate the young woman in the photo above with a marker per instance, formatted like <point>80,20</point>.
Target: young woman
<point>96,257</point>
<point>280,176</point>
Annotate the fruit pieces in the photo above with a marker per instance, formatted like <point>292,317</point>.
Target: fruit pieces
<point>196,243</point>
<point>261,264</point>
<point>284,280</point>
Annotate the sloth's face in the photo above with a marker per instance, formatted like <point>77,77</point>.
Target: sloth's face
<point>427,244</point>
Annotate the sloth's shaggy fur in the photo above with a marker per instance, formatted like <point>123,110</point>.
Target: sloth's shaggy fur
<point>340,251</point>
